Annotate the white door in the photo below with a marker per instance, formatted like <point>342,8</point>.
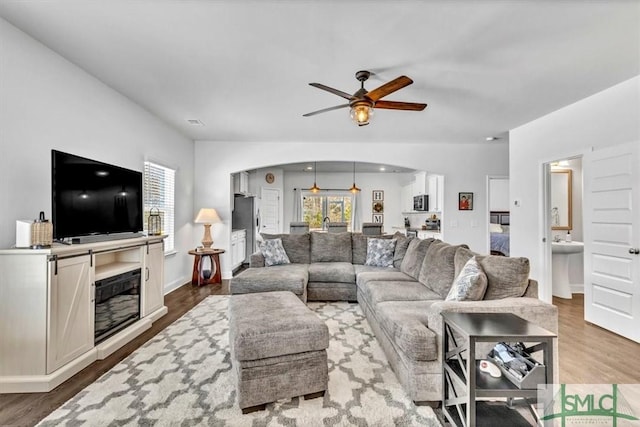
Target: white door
<point>270,211</point>
<point>612,239</point>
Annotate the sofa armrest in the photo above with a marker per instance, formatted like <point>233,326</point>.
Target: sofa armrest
<point>256,260</point>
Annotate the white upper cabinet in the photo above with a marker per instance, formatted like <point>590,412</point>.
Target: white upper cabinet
<point>420,184</point>
<point>435,186</point>
<point>241,183</point>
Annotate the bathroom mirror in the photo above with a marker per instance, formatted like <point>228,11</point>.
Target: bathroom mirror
<point>561,199</point>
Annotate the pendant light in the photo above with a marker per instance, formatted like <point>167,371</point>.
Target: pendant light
<point>315,187</point>
<point>353,188</point>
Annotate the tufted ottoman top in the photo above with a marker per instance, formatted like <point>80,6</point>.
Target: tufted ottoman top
<point>271,324</point>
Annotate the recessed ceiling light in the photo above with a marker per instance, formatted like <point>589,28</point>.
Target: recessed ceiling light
<point>309,168</point>
<point>102,173</point>
<point>491,138</point>
<point>195,122</point>
<point>382,169</point>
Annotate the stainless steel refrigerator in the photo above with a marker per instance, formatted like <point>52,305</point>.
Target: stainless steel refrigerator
<point>244,216</point>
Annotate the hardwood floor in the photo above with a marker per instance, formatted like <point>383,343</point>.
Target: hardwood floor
<point>588,355</point>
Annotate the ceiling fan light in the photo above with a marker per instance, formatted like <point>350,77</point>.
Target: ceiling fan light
<point>361,114</point>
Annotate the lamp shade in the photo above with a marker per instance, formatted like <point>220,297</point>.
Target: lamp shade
<point>207,216</point>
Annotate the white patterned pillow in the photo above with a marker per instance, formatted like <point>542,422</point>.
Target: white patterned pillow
<point>471,283</point>
<point>380,252</point>
<point>273,252</point>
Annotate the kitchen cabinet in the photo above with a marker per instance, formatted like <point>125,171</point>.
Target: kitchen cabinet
<point>435,186</point>
<point>241,183</point>
<point>153,285</point>
<point>420,184</point>
<point>70,325</point>
<point>429,234</point>
<point>238,248</point>
<point>406,197</point>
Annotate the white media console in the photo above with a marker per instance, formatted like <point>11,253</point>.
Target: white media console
<point>48,307</point>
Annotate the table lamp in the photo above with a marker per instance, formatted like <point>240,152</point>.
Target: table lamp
<point>207,216</point>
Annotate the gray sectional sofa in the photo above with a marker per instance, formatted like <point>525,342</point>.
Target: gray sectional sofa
<point>402,303</point>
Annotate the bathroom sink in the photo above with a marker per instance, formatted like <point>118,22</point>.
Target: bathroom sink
<point>567,247</point>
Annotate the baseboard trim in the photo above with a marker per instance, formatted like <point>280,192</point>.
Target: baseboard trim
<point>46,383</point>
<point>577,288</point>
<point>170,287</point>
<point>110,345</point>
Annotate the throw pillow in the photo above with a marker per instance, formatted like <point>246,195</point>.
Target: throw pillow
<point>507,277</point>
<point>380,252</point>
<point>273,252</point>
<point>471,283</point>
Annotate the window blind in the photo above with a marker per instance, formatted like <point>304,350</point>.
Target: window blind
<point>159,192</point>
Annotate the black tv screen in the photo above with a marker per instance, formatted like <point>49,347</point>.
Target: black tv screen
<point>90,197</point>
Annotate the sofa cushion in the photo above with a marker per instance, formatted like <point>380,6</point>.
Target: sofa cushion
<point>380,252</point>
<point>331,247</point>
<point>407,326</point>
<point>289,277</point>
<point>359,269</point>
<point>378,291</point>
<point>273,252</point>
<point>412,261</point>
<point>341,272</point>
<point>402,243</point>
<point>470,284</point>
<point>506,276</point>
<point>381,275</point>
<point>297,246</point>
<point>438,269</point>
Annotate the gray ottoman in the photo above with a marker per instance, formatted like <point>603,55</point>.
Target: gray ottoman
<point>278,348</point>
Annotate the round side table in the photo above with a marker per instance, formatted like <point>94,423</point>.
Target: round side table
<point>206,266</point>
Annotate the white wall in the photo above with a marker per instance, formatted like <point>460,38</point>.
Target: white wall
<point>465,167</point>
<point>48,103</point>
<point>605,119</point>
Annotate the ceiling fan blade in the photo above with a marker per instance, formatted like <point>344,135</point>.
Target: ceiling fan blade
<point>390,87</point>
<point>396,105</point>
<point>345,95</point>
<point>324,110</point>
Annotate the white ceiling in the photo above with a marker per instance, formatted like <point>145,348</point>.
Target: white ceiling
<point>342,167</point>
<point>243,67</point>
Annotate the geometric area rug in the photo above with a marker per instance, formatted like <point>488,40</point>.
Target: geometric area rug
<point>183,377</point>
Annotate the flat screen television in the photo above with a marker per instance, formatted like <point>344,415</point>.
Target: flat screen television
<point>91,198</point>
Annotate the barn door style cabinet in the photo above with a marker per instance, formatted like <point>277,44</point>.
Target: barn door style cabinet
<point>57,307</point>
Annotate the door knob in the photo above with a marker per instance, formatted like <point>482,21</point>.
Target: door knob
<point>634,251</point>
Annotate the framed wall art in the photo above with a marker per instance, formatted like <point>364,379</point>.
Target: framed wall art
<point>465,201</point>
<point>377,218</point>
<point>377,195</point>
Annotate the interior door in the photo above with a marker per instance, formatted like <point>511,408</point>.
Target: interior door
<point>612,219</point>
<point>270,211</point>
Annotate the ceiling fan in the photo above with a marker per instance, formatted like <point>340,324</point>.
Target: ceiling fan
<point>363,102</point>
